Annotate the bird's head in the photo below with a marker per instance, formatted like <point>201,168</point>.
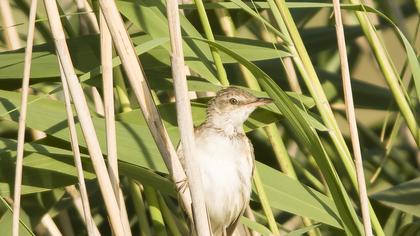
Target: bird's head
<point>232,106</point>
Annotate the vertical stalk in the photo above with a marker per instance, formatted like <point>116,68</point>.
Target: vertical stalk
<point>111,139</point>
<point>271,130</point>
<point>280,151</point>
<point>84,117</point>
<point>121,90</point>
<point>156,215</point>
<point>78,202</point>
<point>185,122</point>
<point>168,217</point>
<point>389,71</point>
<point>351,116</point>
<point>303,63</point>
<point>11,35</point>
<point>209,35</point>
<point>139,208</point>
<point>265,204</point>
<point>22,118</point>
<point>50,225</point>
<point>77,159</point>
<point>137,79</point>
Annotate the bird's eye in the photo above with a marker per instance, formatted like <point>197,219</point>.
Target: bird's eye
<point>233,101</point>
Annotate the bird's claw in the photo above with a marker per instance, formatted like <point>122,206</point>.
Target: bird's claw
<point>181,185</point>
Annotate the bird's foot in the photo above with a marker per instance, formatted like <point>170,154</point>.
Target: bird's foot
<point>181,185</point>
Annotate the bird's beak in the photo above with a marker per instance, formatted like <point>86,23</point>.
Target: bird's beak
<point>261,102</point>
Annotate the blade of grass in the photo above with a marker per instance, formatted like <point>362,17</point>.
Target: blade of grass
<point>304,64</point>
<point>209,34</point>
<point>389,71</point>
<point>9,208</point>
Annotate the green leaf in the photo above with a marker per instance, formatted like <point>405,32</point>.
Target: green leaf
<point>410,229</point>
<point>44,61</point>
<point>7,218</point>
<point>303,230</point>
<point>287,194</point>
<point>46,168</point>
<point>404,197</point>
<point>255,226</point>
<point>156,26</point>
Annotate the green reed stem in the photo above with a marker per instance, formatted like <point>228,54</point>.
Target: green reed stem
<point>389,71</point>
<point>209,35</point>
<point>265,203</point>
<point>139,208</point>
<point>155,213</point>
<point>308,73</point>
<point>168,217</point>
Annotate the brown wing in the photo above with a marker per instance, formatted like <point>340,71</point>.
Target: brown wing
<point>231,228</point>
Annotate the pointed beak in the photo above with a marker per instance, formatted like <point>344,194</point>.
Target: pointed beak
<point>261,102</point>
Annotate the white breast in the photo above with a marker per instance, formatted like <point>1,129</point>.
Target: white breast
<point>226,170</point>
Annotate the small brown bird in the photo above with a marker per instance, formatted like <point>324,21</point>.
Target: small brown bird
<point>225,157</point>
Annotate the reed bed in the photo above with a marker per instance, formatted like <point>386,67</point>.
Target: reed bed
<point>116,86</point>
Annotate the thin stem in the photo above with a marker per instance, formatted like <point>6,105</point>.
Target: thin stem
<point>185,122</point>
<point>140,208</point>
<point>351,116</point>
<point>50,225</point>
<point>121,90</point>
<point>265,203</point>
<point>11,35</point>
<point>389,71</point>
<point>80,208</point>
<point>168,217</point>
<point>111,139</point>
<point>280,151</point>
<point>22,119</point>
<point>77,159</point>
<point>209,35</point>
<point>307,71</point>
<point>156,215</point>
<point>85,119</point>
<point>136,77</point>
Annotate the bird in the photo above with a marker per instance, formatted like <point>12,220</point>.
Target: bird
<point>224,157</point>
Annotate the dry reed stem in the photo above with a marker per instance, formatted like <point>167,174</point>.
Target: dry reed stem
<point>291,74</point>
<point>48,223</point>
<point>85,119</point>
<point>64,221</point>
<point>76,153</point>
<point>11,35</point>
<point>97,101</point>
<point>22,119</point>
<point>88,19</point>
<point>78,204</point>
<point>111,138</point>
<point>351,116</point>
<point>250,214</point>
<point>136,77</point>
<point>106,62</point>
<point>184,118</point>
